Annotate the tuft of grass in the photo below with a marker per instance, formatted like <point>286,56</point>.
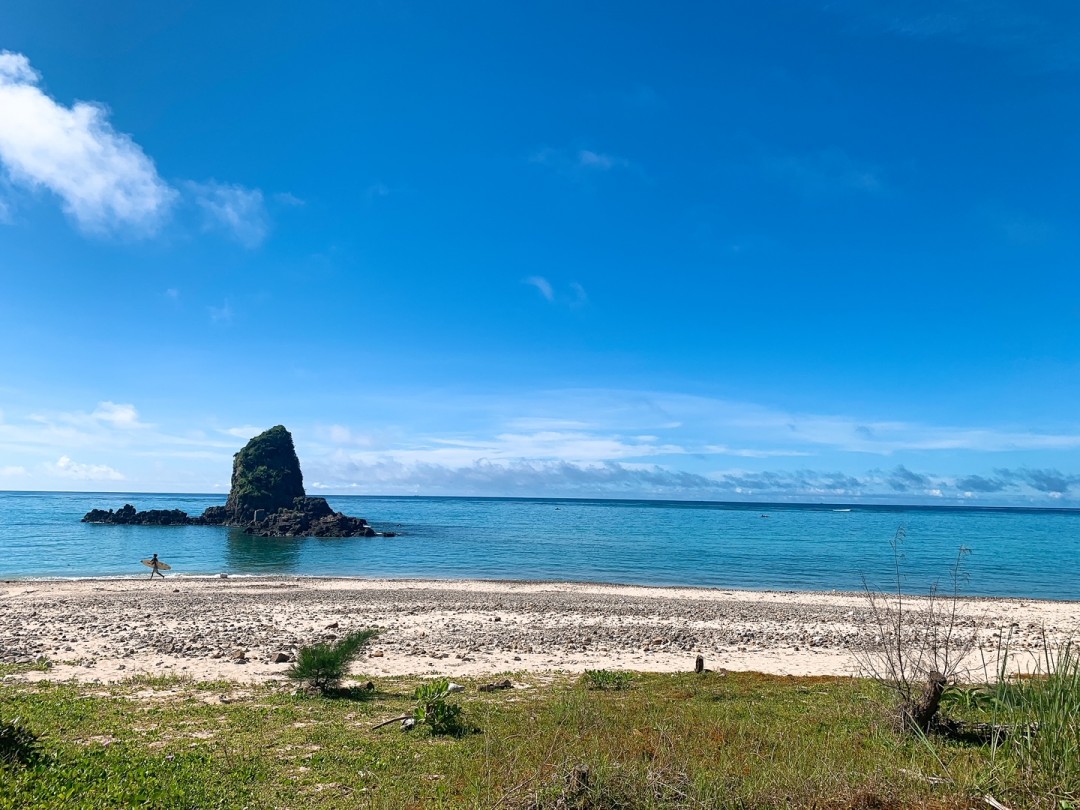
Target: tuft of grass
<point>323,666</point>
<point>1044,713</point>
<point>606,679</point>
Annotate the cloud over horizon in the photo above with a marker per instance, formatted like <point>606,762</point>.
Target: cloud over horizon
<point>622,444</point>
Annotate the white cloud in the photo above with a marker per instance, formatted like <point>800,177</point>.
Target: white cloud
<point>106,182</point>
<point>13,472</point>
<point>244,432</point>
<point>122,415</point>
<point>66,468</point>
<point>749,452</point>
<point>237,211</point>
<point>542,284</point>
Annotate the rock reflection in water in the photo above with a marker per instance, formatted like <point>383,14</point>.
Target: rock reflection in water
<point>262,555</point>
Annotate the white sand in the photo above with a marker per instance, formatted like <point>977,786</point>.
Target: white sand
<point>110,629</point>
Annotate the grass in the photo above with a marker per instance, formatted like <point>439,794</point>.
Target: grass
<point>1039,718</point>
<point>607,679</point>
<point>682,740</point>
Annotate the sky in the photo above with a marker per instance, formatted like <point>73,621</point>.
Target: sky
<point>793,251</point>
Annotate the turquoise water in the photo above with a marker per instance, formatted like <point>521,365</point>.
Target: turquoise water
<point>1014,552</point>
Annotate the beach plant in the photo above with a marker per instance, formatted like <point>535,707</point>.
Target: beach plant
<point>919,645</point>
<point>323,666</point>
<point>606,679</point>
<point>436,712</point>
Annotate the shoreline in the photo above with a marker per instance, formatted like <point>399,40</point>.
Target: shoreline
<point>109,629</point>
<point>585,583</point>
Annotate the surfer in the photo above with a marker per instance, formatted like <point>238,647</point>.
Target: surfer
<point>155,567</point>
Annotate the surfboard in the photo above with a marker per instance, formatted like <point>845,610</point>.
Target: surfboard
<point>162,566</point>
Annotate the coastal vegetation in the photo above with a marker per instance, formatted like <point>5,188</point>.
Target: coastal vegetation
<point>324,665</point>
<point>713,739</point>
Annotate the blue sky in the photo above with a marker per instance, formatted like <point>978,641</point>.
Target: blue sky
<point>817,251</point>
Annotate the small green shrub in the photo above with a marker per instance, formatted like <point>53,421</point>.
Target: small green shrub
<point>606,679</point>
<point>324,665</point>
<point>433,710</point>
<point>18,744</point>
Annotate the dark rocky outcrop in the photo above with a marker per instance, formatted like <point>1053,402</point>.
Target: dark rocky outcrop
<point>266,477</point>
<point>310,517</point>
<point>127,515</point>
<point>266,498</point>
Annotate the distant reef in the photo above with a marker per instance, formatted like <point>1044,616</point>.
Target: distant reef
<point>266,498</point>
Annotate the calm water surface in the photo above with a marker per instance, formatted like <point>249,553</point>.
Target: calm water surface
<point>1014,552</point>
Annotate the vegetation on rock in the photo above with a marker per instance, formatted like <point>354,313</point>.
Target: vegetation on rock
<point>266,476</point>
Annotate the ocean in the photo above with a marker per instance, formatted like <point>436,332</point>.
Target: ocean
<point>1031,553</point>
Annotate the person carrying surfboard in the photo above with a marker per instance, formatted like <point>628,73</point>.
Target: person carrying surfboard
<point>155,566</point>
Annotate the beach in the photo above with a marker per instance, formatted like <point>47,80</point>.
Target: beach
<point>243,629</point>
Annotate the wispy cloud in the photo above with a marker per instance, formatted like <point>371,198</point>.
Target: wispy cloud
<point>118,415</point>
<point>66,468</point>
<point>233,209</point>
<point>542,285</point>
<point>578,163</point>
<point>105,181</point>
<point>576,298</point>
<point>600,161</point>
<point>286,198</point>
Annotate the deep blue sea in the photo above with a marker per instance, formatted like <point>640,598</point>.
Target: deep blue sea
<point>1013,552</point>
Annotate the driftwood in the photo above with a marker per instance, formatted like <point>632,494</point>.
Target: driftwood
<point>983,733</point>
<point>392,720</point>
<point>493,687</point>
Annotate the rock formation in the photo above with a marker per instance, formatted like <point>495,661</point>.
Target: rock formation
<point>266,498</point>
<point>127,515</point>
<point>266,477</point>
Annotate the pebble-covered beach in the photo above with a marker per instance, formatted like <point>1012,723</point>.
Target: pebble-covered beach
<point>250,628</point>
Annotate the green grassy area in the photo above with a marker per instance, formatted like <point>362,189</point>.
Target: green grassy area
<point>684,740</point>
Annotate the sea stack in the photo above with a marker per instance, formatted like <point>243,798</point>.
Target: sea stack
<point>266,498</point>
<point>266,477</point>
